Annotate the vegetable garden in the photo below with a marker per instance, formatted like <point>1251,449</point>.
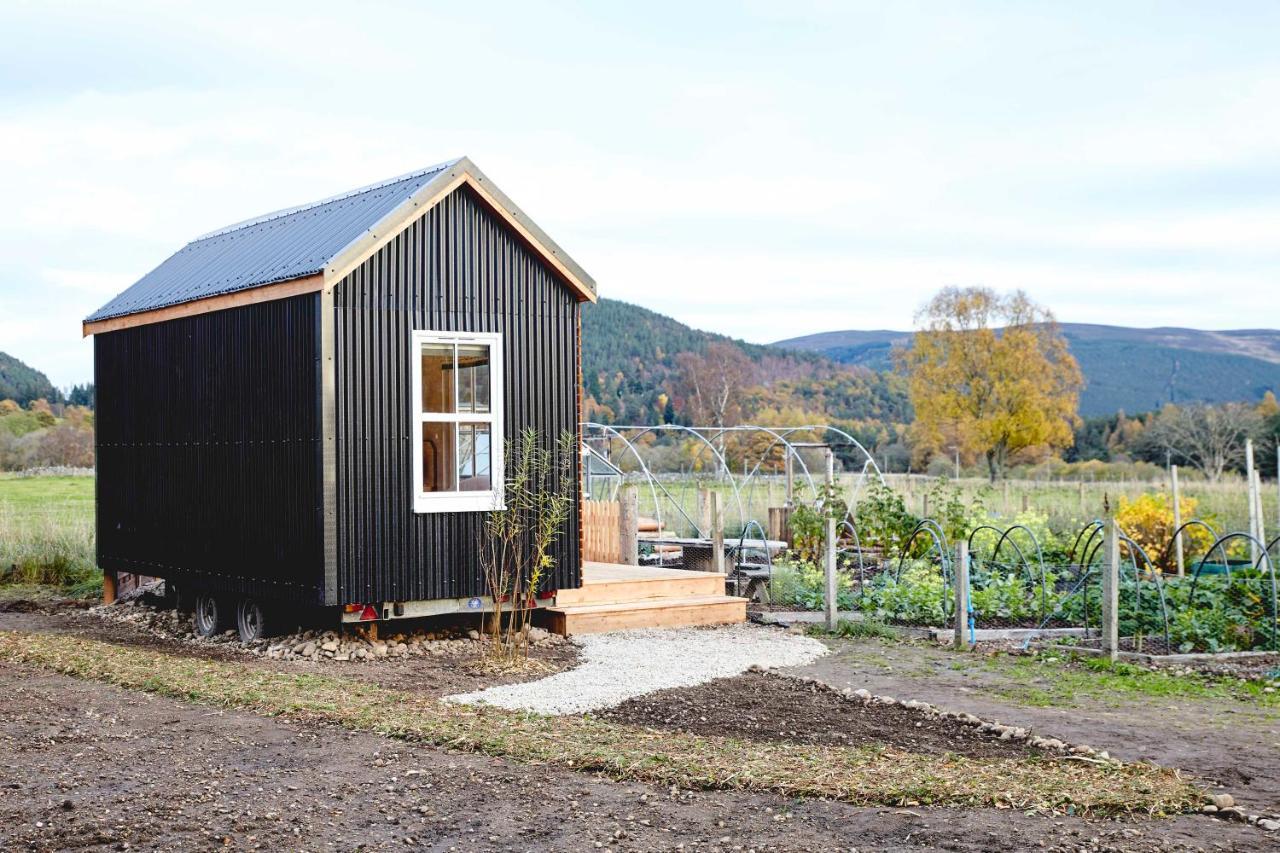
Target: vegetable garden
<point>898,568</point>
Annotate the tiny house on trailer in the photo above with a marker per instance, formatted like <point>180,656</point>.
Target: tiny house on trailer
<point>309,408</point>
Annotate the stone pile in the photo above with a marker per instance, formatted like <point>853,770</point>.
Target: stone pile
<point>352,644</point>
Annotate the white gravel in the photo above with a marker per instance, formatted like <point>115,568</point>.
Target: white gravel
<point>615,667</point>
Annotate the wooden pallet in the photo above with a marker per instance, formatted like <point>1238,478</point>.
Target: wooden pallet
<point>613,598</point>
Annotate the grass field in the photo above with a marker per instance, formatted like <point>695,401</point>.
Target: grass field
<point>1068,505</point>
<point>46,535</point>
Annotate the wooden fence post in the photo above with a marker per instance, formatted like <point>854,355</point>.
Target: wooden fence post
<point>832,610</point>
<point>1253,501</point>
<point>108,586</point>
<point>1111,590</point>
<point>717,533</point>
<point>962,593</point>
<point>704,512</point>
<point>1177,520</point>
<point>629,526</point>
<point>1257,498</point>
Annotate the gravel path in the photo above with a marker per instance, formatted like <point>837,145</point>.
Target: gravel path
<point>618,666</point>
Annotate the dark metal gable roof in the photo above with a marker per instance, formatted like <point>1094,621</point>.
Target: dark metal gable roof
<point>279,246</point>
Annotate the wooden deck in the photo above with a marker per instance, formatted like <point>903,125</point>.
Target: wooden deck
<point>614,597</point>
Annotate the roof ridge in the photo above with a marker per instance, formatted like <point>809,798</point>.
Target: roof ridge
<point>289,211</point>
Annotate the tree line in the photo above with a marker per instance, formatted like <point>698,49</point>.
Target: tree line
<point>44,434</point>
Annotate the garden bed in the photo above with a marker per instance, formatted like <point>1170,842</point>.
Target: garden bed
<point>760,707</point>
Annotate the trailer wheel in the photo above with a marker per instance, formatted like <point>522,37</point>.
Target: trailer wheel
<point>210,616</point>
<point>251,620</point>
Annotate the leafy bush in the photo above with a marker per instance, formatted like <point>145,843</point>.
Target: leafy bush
<point>917,597</point>
<point>808,523</point>
<point>882,519</point>
<point>1148,521</point>
<point>797,583</point>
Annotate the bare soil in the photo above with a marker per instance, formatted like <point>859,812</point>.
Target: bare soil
<point>89,766</point>
<point>1233,745</point>
<point>763,707</point>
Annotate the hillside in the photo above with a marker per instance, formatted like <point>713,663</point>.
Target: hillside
<point>22,384</point>
<point>1125,368</point>
<point>630,360</point>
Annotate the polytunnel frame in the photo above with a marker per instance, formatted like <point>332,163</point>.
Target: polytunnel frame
<point>942,547</point>
<point>779,435</point>
<point>1005,535</point>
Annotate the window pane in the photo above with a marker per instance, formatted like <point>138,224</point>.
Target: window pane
<point>482,388</point>
<point>473,359</point>
<point>437,458</point>
<point>474,458</point>
<point>437,378</point>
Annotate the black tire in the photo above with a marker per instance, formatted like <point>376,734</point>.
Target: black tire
<point>210,617</point>
<point>251,620</point>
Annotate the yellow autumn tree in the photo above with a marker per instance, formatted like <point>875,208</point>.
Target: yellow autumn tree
<point>989,375</point>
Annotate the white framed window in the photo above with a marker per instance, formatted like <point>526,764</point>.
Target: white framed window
<point>457,449</point>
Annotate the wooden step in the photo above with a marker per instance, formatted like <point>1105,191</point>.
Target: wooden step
<point>615,585</point>
<point>649,613</point>
<point>616,592</point>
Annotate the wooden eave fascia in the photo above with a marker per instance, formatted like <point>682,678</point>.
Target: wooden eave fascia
<point>463,172</point>
<point>313,283</point>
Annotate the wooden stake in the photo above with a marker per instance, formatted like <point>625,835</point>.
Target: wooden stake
<point>704,512</point>
<point>108,586</point>
<point>1111,591</point>
<point>717,534</point>
<point>962,594</point>
<point>832,612</point>
<point>1177,521</point>
<point>1253,499</point>
<point>1257,496</point>
<point>629,526</point>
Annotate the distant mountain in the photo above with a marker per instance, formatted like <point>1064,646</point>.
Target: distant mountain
<point>22,384</point>
<point>1125,368</point>
<point>630,365</point>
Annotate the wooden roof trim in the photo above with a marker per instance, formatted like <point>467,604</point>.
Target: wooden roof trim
<point>250,296</point>
<point>461,173</point>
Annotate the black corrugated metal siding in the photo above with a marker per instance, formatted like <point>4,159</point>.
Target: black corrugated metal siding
<point>458,268</point>
<point>208,450</point>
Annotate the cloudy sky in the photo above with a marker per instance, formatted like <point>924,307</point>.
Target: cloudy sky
<point>762,169</point>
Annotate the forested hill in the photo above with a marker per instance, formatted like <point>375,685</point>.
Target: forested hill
<point>631,369</point>
<point>22,384</point>
<point>1135,370</point>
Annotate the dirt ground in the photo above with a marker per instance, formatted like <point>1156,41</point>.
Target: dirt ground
<point>89,766</point>
<point>1234,744</point>
<point>761,707</point>
<point>432,676</point>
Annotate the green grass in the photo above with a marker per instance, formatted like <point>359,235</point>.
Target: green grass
<point>47,536</point>
<point>867,775</point>
<point>1075,681</point>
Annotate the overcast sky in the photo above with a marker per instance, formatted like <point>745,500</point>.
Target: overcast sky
<point>760,169</point>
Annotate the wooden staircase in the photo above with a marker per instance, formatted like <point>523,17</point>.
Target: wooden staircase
<point>614,597</point>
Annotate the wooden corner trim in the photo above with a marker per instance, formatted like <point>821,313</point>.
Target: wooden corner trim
<point>251,296</point>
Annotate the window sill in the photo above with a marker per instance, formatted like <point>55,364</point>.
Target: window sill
<point>457,502</point>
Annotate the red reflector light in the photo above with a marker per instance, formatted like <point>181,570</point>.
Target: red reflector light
<point>368,613</point>
<point>546,593</point>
